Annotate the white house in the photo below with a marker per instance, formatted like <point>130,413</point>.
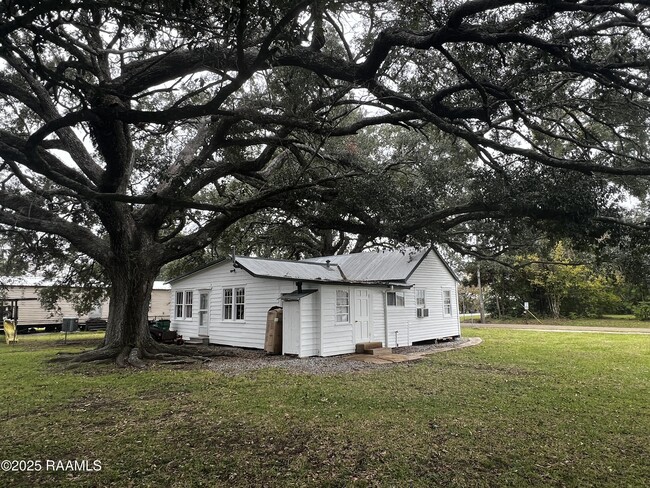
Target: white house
<point>329,304</point>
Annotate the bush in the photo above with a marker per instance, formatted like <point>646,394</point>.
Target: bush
<point>642,311</point>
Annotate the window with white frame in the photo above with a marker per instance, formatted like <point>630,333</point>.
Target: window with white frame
<point>421,309</point>
<point>342,306</point>
<point>420,298</point>
<point>239,303</point>
<point>203,307</point>
<point>227,304</point>
<point>179,305</point>
<point>446,303</point>
<point>183,304</point>
<point>234,303</point>
<point>395,298</point>
<point>189,295</point>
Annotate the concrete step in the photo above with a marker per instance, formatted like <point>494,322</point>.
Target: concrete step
<point>362,347</point>
<point>379,351</point>
<point>198,341</point>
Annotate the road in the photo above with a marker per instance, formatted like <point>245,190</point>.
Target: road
<point>560,328</point>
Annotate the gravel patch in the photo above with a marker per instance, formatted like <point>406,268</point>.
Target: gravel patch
<point>237,360</point>
<point>424,348</point>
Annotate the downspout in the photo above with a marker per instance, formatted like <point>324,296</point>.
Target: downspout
<point>457,314</point>
<point>321,294</point>
<point>385,318</point>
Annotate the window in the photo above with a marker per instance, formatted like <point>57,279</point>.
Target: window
<point>446,303</point>
<point>234,303</point>
<point>183,304</point>
<point>239,304</point>
<point>179,304</point>
<point>395,298</point>
<point>421,309</point>
<point>227,304</point>
<point>203,308</point>
<point>420,298</point>
<point>188,304</point>
<point>342,306</point>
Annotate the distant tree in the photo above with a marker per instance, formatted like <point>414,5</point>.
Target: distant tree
<point>554,279</point>
<point>629,254</point>
<point>557,275</point>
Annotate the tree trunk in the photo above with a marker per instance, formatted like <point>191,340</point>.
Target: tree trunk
<point>128,325</point>
<point>554,303</point>
<point>127,340</point>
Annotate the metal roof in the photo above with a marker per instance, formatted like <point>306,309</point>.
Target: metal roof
<point>39,281</point>
<point>392,268</point>
<point>291,270</point>
<point>376,266</point>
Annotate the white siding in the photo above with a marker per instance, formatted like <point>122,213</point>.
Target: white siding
<point>309,325</point>
<point>159,305</point>
<point>434,277</point>
<point>260,296</point>
<point>337,338</point>
<point>291,328</point>
<point>400,320</point>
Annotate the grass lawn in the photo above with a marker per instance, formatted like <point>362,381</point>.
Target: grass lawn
<point>522,409</point>
<point>605,321</point>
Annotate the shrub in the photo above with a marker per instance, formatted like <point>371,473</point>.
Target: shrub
<point>642,311</point>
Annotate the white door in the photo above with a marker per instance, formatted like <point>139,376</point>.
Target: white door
<point>362,324</point>
<point>204,313</point>
<point>291,327</point>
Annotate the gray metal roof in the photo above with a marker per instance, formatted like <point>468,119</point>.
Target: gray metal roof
<point>292,270</point>
<point>371,268</point>
<point>376,266</point>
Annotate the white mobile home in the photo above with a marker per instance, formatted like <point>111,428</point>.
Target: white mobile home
<point>330,304</point>
<point>32,312</point>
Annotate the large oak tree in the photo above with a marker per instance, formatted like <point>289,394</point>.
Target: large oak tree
<point>139,132</point>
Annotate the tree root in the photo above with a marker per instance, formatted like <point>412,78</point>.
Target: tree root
<point>206,352</point>
<point>88,356</point>
<point>136,356</point>
<point>120,360</point>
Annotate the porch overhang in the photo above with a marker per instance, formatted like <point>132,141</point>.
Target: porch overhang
<point>296,295</point>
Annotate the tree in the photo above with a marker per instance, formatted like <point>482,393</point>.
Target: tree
<point>557,276</point>
<point>556,279</point>
<point>140,132</point>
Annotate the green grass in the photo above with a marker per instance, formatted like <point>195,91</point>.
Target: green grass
<point>605,321</point>
<point>522,409</point>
